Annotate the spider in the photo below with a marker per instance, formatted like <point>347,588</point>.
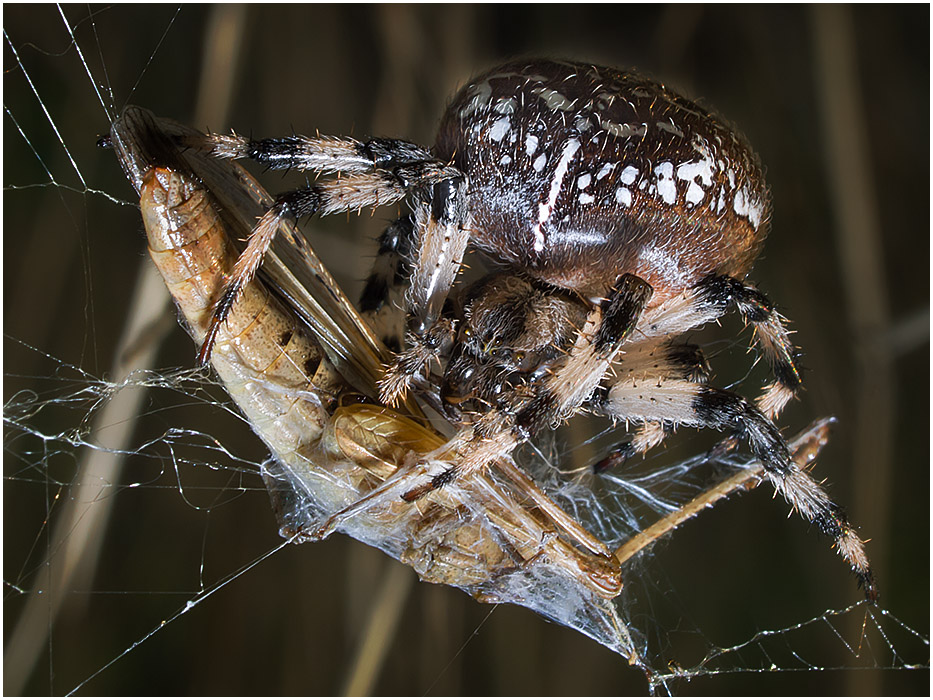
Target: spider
<point>618,215</point>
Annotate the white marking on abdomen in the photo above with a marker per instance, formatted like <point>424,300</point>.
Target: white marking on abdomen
<point>605,170</point>
<point>628,175</point>
<point>545,208</point>
<point>500,129</point>
<point>531,144</point>
<point>667,188</point>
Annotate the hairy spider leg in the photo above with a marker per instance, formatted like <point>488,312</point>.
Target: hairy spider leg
<point>709,300</point>
<point>712,298</point>
<point>380,301</point>
<point>679,402</point>
<point>372,173</point>
<point>771,336</point>
<point>442,223</point>
<point>649,363</point>
<point>606,329</point>
<point>321,154</point>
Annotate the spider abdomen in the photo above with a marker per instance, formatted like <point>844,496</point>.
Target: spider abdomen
<point>579,174</point>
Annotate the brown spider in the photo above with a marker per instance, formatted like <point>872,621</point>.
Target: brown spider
<point>620,216</point>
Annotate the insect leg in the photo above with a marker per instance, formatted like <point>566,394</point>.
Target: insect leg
<point>343,194</point>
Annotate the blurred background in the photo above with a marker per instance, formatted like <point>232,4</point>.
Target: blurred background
<point>834,99</point>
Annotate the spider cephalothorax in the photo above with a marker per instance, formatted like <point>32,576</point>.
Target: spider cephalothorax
<point>510,333</point>
<point>622,214</point>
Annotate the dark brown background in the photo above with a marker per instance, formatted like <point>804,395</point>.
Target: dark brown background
<point>289,626</point>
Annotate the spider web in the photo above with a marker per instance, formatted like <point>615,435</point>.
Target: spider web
<point>184,571</point>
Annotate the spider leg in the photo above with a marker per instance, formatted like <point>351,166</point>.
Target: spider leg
<point>322,154</point>
<point>657,359</point>
<point>374,173</point>
<point>711,299</point>
<point>652,359</point>
<point>771,335</point>
<point>597,346</point>
<point>441,219</point>
<point>648,435</point>
<point>380,301</point>
<point>392,169</point>
<point>680,402</point>
<point>650,363</point>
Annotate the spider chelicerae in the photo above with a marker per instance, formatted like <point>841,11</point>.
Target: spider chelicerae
<point>617,214</point>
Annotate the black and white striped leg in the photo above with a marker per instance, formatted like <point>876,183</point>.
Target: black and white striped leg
<point>442,225</point>
<point>321,154</point>
<point>659,359</point>
<point>374,173</point>
<point>712,298</point>
<point>392,266</point>
<point>681,402</point>
<point>648,435</point>
<point>649,363</point>
<point>770,332</point>
<point>597,346</point>
<point>381,302</point>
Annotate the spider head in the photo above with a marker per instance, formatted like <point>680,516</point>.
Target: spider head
<point>512,330</point>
